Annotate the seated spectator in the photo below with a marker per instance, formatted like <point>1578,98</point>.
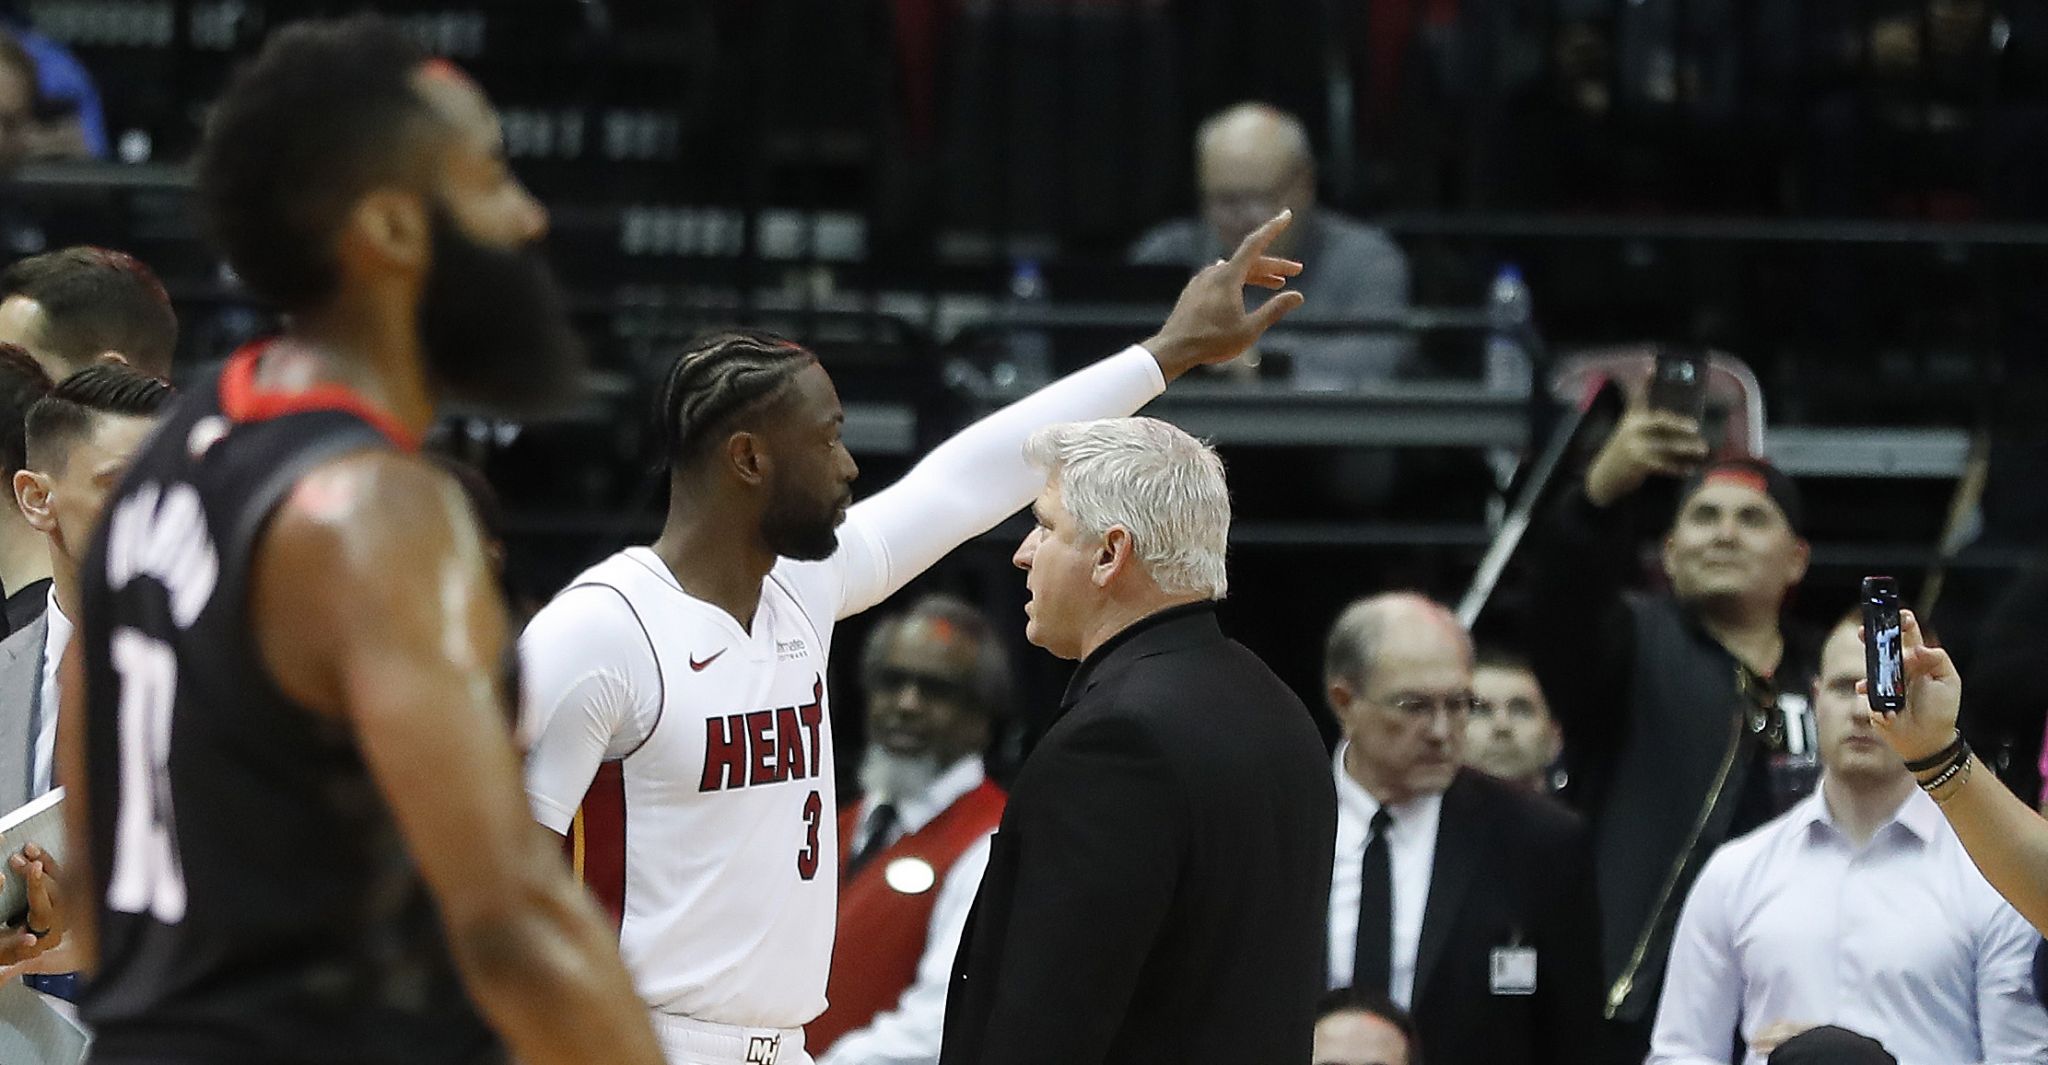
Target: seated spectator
<point>1253,160</point>
<point>1511,733</point>
<point>1464,899</point>
<point>913,848</point>
<point>1356,1027</point>
<point>76,306</point>
<point>1857,909</point>
<point>1669,701</point>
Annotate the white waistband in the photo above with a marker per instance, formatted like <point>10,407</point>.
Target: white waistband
<point>760,1046</point>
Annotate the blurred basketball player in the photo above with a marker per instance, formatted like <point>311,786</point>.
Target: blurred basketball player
<point>306,839</point>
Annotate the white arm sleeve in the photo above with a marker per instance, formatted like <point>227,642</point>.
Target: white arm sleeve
<point>591,691</point>
<point>909,1034</point>
<point>966,486</point>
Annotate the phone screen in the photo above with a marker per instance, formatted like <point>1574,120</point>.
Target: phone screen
<point>1884,652</point>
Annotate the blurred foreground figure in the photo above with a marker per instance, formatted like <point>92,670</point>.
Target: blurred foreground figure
<point>284,731</point>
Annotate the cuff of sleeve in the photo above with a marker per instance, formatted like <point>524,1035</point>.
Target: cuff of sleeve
<point>550,813</point>
<point>1152,371</point>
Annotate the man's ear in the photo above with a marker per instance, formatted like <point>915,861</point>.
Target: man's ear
<point>1340,695</point>
<point>1118,551</point>
<point>32,494</point>
<point>748,458</point>
<point>389,228</point>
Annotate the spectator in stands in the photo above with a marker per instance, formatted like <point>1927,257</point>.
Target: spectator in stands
<point>76,306</point>
<point>1669,700</point>
<point>1356,1027</point>
<point>72,124</point>
<point>1465,899</point>
<point>24,555</point>
<point>1252,160</point>
<point>1511,733</point>
<point>1858,909</point>
<point>914,847</point>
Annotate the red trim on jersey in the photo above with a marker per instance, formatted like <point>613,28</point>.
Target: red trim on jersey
<point>601,822</point>
<point>243,400</point>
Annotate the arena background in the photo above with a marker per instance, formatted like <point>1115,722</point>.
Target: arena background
<point>1865,232</point>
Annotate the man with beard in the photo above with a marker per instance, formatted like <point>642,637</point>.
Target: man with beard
<point>914,847</point>
<point>680,686</point>
<point>284,729</point>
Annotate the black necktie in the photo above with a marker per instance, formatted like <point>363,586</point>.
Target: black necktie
<point>1375,955</point>
<point>881,825</point>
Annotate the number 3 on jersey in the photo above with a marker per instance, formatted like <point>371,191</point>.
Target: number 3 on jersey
<point>807,859</point>
<point>147,876</point>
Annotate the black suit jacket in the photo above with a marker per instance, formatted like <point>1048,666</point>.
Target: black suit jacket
<point>1158,889</point>
<point>1512,869</point>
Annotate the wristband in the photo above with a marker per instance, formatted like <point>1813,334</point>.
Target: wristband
<point>1948,773</point>
<point>1940,757</point>
<point>1962,772</point>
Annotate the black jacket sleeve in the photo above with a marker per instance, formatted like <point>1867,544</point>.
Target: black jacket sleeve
<point>1580,635</point>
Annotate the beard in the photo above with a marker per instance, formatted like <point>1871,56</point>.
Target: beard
<point>886,776</point>
<point>794,529</point>
<point>495,328</point>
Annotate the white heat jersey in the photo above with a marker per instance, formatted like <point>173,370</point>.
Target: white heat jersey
<point>717,794</point>
<point>700,756</point>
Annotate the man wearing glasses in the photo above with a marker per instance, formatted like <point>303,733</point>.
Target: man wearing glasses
<point>1252,160</point>
<point>1465,899</point>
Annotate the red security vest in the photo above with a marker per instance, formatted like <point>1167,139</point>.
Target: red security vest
<point>882,931</point>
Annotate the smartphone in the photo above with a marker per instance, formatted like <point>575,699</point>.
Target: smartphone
<point>1884,650</point>
<point>1678,383</point>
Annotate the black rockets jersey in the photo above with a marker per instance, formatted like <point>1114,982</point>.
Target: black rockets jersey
<point>256,902</point>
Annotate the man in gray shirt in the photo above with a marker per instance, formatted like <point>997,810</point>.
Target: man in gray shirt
<point>1253,160</point>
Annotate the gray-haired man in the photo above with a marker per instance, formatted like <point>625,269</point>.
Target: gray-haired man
<point>1155,892</point>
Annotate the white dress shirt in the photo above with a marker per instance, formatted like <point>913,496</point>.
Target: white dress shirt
<point>1901,940</point>
<point>54,642</point>
<point>909,1034</point>
<point>1412,839</point>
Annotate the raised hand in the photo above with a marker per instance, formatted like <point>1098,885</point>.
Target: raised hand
<point>1209,323</point>
<point>1934,695</point>
<point>1647,441</point>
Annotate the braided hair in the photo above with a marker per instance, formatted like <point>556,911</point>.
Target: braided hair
<point>721,377</point>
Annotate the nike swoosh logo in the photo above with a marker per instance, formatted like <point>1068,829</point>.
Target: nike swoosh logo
<point>698,667</point>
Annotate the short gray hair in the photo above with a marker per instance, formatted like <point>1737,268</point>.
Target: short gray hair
<point>1353,646</point>
<point>1162,485</point>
